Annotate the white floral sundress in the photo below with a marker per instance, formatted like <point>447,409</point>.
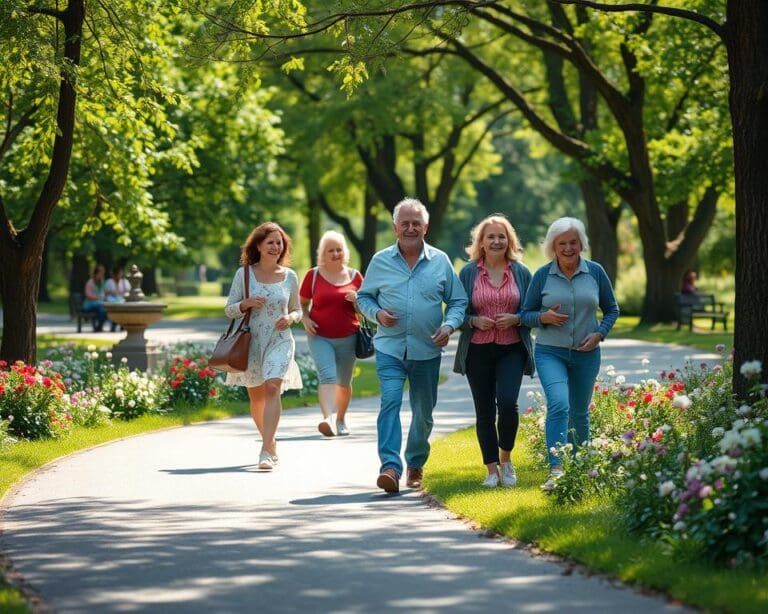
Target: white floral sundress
<point>271,352</point>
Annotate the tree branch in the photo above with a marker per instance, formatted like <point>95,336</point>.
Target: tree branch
<point>13,131</point>
<point>717,28</point>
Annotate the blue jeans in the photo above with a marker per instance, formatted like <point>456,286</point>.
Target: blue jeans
<point>568,380</point>
<point>97,307</point>
<point>334,358</point>
<point>422,377</point>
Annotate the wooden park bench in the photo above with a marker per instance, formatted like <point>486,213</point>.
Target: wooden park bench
<point>691,306</point>
<point>76,311</point>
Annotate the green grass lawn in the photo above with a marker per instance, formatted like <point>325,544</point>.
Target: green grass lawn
<point>627,327</point>
<point>586,533</point>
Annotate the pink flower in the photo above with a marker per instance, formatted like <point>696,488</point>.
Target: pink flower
<point>705,492</point>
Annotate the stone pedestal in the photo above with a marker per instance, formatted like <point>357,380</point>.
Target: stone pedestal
<point>134,315</point>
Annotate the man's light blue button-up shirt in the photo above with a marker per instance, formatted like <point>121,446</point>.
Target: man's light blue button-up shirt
<point>416,296</point>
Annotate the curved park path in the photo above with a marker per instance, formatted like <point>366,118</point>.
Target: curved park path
<point>182,521</point>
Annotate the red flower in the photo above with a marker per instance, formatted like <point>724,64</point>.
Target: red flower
<point>2,389</point>
<point>647,397</point>
<point>47,382</point>
<point>604,391</point>
<point>632,403</point>
<point>671,376</point>
<point>597,387</point>
<point>212,392</point>
<point>3,364</point>
<point>187,362</point>
<point>621,406</point>
<point>175,384</point>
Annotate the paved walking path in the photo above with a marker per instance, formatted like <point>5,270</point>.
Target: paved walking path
<point>183,521</point>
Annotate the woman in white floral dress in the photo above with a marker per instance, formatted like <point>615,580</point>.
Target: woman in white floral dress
<point>274,300</point>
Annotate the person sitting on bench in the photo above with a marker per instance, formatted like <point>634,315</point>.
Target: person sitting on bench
<point>94,297</point>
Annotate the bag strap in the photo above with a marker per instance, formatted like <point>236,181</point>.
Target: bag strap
<point>314,279</point>
<point>246,284</point>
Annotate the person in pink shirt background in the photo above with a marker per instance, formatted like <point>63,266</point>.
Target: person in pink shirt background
<point>494,351</point>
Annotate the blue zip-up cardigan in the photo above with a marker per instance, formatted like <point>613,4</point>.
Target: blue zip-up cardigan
<point>467,276</point>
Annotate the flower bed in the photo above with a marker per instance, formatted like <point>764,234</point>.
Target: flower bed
<point>76,387</point>
<point>678,458</point>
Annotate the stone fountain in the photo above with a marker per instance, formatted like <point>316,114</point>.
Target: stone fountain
<point>134,315</point>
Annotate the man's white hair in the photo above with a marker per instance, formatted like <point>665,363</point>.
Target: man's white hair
<point>411,203</point>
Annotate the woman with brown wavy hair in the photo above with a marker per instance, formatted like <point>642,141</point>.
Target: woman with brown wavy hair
<point>274,300</point>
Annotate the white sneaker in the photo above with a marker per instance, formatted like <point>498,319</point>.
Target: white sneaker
<point>508,475</point>
<point>341,428</point>
<point>265,461</point>
<point>554,475</point>
<point>492,481</point>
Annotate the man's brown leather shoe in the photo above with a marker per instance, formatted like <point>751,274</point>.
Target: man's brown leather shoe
<point>414,478</point>
<point>389,481</point>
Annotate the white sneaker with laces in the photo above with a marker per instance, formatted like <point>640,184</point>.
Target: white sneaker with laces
<point>492,481</point>
<point>508,475</point>
<point>341,428</point>
<point>265,461</point>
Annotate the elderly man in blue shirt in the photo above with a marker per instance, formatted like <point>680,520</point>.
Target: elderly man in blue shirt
<point>404,290</point>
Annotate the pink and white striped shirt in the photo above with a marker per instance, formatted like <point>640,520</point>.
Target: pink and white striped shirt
<point>489,301</point>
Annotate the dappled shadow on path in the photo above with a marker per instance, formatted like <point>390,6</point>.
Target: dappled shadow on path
<point>132,556</point>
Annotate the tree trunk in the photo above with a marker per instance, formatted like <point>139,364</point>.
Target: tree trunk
<point>18,291</point>
<point>148,281</point>
<point>42,294</point>
<point>747,44</point>
<point>313,223</point>
<point>21,252</point>
<point>370,225</point>
<point>602,221</point>
<point>79,274</point>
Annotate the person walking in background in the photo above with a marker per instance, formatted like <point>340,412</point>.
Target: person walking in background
<point>404,290</point>
<point>562,302</point>
<point>274,298</point>
<point>494,349</point>
<point>94,297</point>
<point>328,294</point>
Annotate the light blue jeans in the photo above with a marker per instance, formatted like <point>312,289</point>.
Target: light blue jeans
<point>568,380</point>
<point>422,377</point>
<point>334,358</point>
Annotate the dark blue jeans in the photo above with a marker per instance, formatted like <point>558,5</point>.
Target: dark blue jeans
<point>495,373</point>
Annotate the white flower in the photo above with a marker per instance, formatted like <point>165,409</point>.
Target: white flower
<point>94,355</point>
<point>91,348</point>
<point>751,437</point>
<point>645,362</point>
<point>530,394</point>
<point>752,368</point>
<point>718,431</point>
<point>763,474</point>
<point>108,355</point>
<point>119,393</point>
<point>666,488</point>
<point>609,368</point>
<point>679,526</point>
<point>681,401</point>
<point>124,360</point>
<point>620,379</point>
<point>131,403</point>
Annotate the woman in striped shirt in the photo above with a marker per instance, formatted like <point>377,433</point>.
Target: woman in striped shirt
<point>494,350</point>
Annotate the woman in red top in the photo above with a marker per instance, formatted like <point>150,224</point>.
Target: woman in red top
<point>331,324</point>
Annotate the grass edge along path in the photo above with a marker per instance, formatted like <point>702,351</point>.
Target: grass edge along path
<point>20,460</point>
<point>588,533</point>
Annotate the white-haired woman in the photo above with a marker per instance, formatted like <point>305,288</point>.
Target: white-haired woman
<point>328,294</point>
<point>562,302</point>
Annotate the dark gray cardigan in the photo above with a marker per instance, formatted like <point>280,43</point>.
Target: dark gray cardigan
<point>467,276</point>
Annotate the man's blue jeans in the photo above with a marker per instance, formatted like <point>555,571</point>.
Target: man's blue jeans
<point>568,379</point>
<point>422,377</point>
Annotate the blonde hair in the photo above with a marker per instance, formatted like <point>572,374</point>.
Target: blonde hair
<point>331,235</point>
<point>560,226</point>
<point>475,248</point>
